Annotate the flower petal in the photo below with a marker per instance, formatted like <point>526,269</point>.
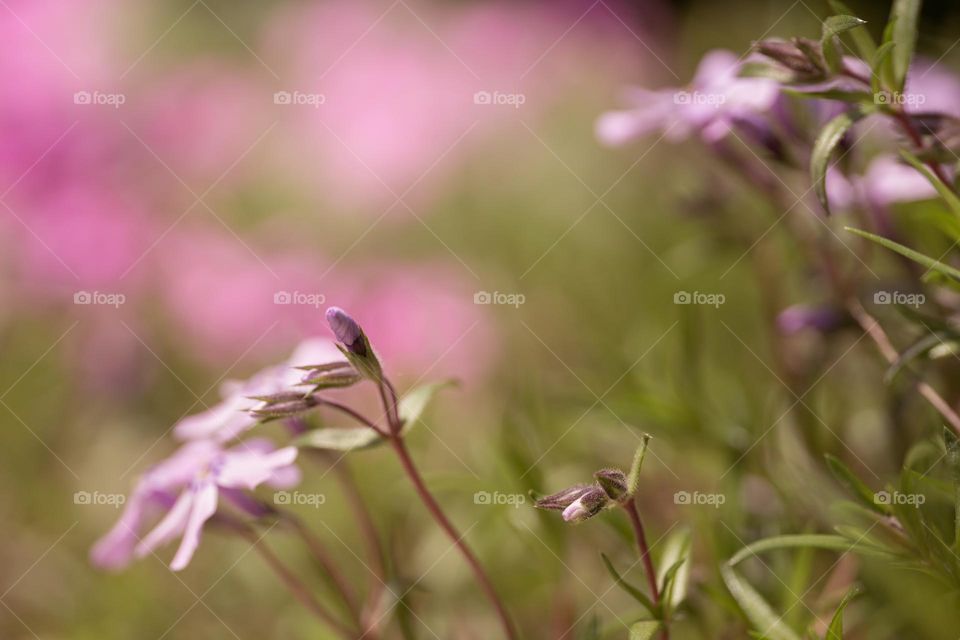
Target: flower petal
<point>203,506</point>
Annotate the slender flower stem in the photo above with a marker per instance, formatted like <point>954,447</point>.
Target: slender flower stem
<point>630,506</point>
<point>320,554</point>
<point>873,329</point>
<point>438,515</point>
<point>296,587</point>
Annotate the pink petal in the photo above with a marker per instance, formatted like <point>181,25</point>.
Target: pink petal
<point>204,505</point>
<point>170,527</point>
<point>248,469</point>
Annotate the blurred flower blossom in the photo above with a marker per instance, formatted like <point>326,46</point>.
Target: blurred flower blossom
<point>803,317</point>
<point>230,418</point>
<point>710,106</point>
<point>200,471</point>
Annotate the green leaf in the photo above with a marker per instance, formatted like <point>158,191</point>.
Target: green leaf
<point>903,18</point>
<point>851,481</point>
<point>644,630</point>
<point>757,610</point>
<point>633,591</point>
<point>877,65</point>
<point>414,403</point>
<point>676,559</point>
<point>340,439</point>
<point>953,202</point>
<point>862,39</point>
<point>917,350</point>
<point>633,478</point>
<point>835,630</point>
<point>830,45</point>
<point>916,256</point>
<point>815,540</point>
<point>823,148</point>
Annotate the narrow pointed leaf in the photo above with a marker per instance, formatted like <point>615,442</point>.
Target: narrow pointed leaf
<point>645,630</point>
<point>823,148</point>
<point>903,17</point>
<point>414,403</point>
<point>340,439</point>
<point>830,44</point>
<point>633,591</point>
<point>862,39</point>
<point>854,484</point>
<point>633,478</point>
<point>916,256</point>
<point>835,630</point>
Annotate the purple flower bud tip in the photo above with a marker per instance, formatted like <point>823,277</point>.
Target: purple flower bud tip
<point>346,329</point>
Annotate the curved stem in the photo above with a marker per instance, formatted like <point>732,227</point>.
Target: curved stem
<point>630,506</point>
<point>320,554</point>
<point>873,329</point>
<point>356,415</point>
<point>441,519</point>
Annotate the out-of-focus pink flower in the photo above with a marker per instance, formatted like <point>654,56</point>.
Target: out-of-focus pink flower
<point>200,470</point>
<point>84,237</point>
<point>402,86</point>
<point>931,87</point>
<point>202,119</point>
<point>716,98</point>
<point>888,181</point>
<point>797,318</point>
<point>230,418</point>
<point>228,297</point>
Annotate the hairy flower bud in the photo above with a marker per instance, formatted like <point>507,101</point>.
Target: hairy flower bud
<point>588,505</point>
<point>613,482</point>
<point>577,503</point>
<point>800,55</point>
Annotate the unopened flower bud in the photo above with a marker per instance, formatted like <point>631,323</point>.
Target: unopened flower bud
<point>613,482</point>
<point>590,504</point>
<point>354,344</point>
<point>284,407</point>
<point>347,331</point>
<point>800,55</point>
